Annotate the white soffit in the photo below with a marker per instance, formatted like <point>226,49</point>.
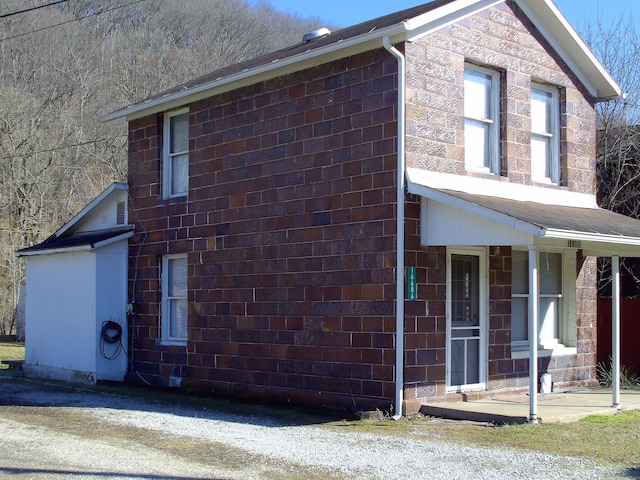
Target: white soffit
<point>497,188</point>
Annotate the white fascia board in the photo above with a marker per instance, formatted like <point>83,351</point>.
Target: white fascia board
<point>593,237</point>
<point>569,45</point>
<point>114,188</point>
<point>310,58</point>
<point>497,188</point>
<point>78,248</point>
<point>438,196</point>
<point>439,18</point>
<point>111,240</point>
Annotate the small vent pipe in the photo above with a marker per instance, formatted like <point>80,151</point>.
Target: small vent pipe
<point>319,33</point>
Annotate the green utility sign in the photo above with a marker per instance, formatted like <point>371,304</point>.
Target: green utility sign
<point>412,284</point>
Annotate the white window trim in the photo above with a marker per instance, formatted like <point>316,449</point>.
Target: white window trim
<point>167,170</point>
<point>554,179</point>
<point>567,329</point>
<point>494,122</point>
<point>165,319</point>
<point>483,290</point>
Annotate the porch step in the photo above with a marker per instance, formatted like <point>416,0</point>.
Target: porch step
<point>450,413</point>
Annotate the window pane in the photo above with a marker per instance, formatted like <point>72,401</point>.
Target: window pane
<point>550,271</point>
<point>519,319</point>
<point>464,290</point>
<point>473,361</point>
<point>180,174</point>
<point>476,143</point>
<point>177,277</point>
<point>540,157</point>
<point>549,311</point>
<point>477,94</point>
<point>519,272</point>
<point>178,312</point>
<point>179,126</point>
<point>457,362</point>
<point>541,102</point>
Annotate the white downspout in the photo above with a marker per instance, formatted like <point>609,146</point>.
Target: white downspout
<point>615,330</point>
<point>400,230</point>
<point>533,334</point>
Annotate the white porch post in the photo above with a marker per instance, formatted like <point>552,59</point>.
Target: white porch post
<point>533,334</point>
<point>615,330</point>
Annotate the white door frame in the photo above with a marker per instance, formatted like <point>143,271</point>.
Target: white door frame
<point>483,285</point>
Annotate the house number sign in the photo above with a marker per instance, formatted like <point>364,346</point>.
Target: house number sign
<point>412,283</point>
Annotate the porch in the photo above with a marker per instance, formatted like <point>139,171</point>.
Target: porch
<point>558,407</point>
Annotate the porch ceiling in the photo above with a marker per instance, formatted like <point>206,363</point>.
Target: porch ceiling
<point>517,222</point>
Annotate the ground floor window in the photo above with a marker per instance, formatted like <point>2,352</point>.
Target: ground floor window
<point>556,302</point>
<point>174,299</point>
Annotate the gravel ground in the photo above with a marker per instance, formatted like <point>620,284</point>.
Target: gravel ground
<point>74,433</point>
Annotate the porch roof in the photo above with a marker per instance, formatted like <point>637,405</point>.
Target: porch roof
<point>496,213</point>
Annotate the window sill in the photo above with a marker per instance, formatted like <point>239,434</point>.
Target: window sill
<point>555,351</point>
<point>172,343</point>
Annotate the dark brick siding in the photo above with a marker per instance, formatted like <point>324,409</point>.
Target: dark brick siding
<point>290,224</point>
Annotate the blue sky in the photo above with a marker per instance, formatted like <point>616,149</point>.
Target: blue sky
<point>349,12</point>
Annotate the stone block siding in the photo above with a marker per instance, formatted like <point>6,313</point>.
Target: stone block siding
<point>289,227</point>
<point>501,38</point>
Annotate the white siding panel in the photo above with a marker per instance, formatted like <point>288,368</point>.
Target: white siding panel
<point>60,308</point>
<point>445,225</point>
<point>105,218</point>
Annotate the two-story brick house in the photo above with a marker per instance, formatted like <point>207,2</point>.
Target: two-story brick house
<point>397,212</point>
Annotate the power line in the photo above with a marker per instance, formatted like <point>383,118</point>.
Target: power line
<point>106,10</point>
<point>64,147</point>
<point>32,9</point>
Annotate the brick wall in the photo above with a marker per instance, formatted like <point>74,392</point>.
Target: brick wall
<point>289,224</point>
<point>290,229</point>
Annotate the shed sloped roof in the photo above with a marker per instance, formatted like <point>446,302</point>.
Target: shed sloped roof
<point>76,236</point>
<point>406,25</point>
<point>78,242</point>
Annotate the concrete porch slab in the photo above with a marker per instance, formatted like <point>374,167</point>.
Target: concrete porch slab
<point>558,407</point>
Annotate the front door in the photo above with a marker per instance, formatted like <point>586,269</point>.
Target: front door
<point>466,358</point>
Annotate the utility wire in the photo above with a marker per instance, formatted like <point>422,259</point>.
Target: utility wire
<point>32,9</point>
<point>106,10</point>
<point>64,147</point>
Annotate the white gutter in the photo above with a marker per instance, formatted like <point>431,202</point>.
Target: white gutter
<point>86,247</point>
<point>79,248</point>
<point>400,229</point>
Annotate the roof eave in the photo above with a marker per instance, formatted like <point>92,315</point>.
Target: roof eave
<point>85,247</point>
<point>51,251</point>
<point>339,49</point>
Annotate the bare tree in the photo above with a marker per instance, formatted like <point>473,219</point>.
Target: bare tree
<point>64,66</point>
<point>618,148</point>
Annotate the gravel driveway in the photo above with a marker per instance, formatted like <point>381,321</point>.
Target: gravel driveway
<point>53,432</point>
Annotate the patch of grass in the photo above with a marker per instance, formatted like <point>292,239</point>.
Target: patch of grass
<point>607,439</point>
<point>11,351</point>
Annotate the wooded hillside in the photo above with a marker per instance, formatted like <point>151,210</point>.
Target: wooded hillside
<point>63,64</point>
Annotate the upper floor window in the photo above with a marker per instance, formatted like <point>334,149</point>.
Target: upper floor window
<point>174,299</point>
<point>545,135</point>
<point>176,154</point>
<point>482,119</point>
